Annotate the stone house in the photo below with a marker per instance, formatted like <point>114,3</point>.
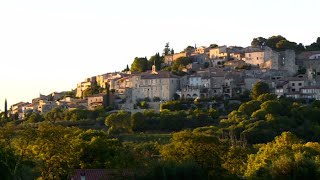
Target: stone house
<point>46,106</point>
<point>218,53</point>
<point>259,56</point>
<point>202,50</point>
<point>170,58</point>
<point>97,100</point>
<point>296,83</point>
<point>195,86</point>
<point>19,109</point>
<point>310,61</point>
<point>88,83</point>
<point>281,88</point>
<point>266,58</point>
<point>151,84</point>
<point>121,85</point>
<point>310,92</point>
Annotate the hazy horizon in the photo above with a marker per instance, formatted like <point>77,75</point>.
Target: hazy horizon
<point>48,46</point>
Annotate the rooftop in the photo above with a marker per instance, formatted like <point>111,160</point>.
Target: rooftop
<point>160,74</point>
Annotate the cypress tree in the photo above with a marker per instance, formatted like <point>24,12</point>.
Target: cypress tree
<point>108,95</point>
<point>5,108</point>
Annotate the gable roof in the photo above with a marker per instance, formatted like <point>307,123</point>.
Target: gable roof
<point>159,75</point>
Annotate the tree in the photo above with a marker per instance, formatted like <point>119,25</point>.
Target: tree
<point>249,107</point>
<point>189,48</point>
<point>138,122</point>
<point>107,95</point>
<point>34,117</point>
<point>13,151</point>
<point>166,49</point>
<point>286,157</point>
<point>171,51</point>
<point>272,107</point>
<point>99,152</point>
<point>259,41</point>
<point>259,88</point>
<point>94,89</point>
<point>55,150</point>
<point>235,160</point>
<point>5,109</point>
<point>139,64</point>
<point>266,97</point>
<point>200,148</point>
<point>300,48</point>
<point>314,46</point>
<point>213,45</point>
<point>54,115</point>
<point>119,123</point>
<point>273,40</point>
<point>180,63</point>
<point>285,44</point>
<point>155,60</point>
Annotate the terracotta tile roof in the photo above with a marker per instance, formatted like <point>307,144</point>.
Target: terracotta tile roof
<point>160,74</point>
<point>19,104</point>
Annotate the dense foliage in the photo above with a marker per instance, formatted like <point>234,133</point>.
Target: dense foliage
<point>262,138</point>
<point>280,43</point>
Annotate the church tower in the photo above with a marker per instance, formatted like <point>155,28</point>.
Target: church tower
<point>154,69</point>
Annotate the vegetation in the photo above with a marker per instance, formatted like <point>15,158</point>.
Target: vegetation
<point>139,65</point>
<point>259,88</point>
<point>280,43</point>
<point>264,137</point>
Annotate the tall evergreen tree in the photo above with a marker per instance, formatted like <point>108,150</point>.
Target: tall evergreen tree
<point>108,95</point>
<point>5,108</point>
<point>166,49</point>
<point>171,51</point>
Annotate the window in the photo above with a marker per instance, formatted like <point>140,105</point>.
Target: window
<point>293,90</point>
<point>300,84</point>
<point>293,84</point>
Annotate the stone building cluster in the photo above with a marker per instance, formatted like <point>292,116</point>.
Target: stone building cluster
<point>221,71</point>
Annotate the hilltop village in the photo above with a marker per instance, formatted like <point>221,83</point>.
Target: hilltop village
<point>216,112</point>
<point>227,72</point>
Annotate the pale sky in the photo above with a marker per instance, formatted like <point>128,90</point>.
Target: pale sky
<point>48,46</point>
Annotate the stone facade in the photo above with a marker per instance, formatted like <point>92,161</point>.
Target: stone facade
<point>95,101</point>
<point>81,87</point>
<point>161,84</point>
<point>218,53</point>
